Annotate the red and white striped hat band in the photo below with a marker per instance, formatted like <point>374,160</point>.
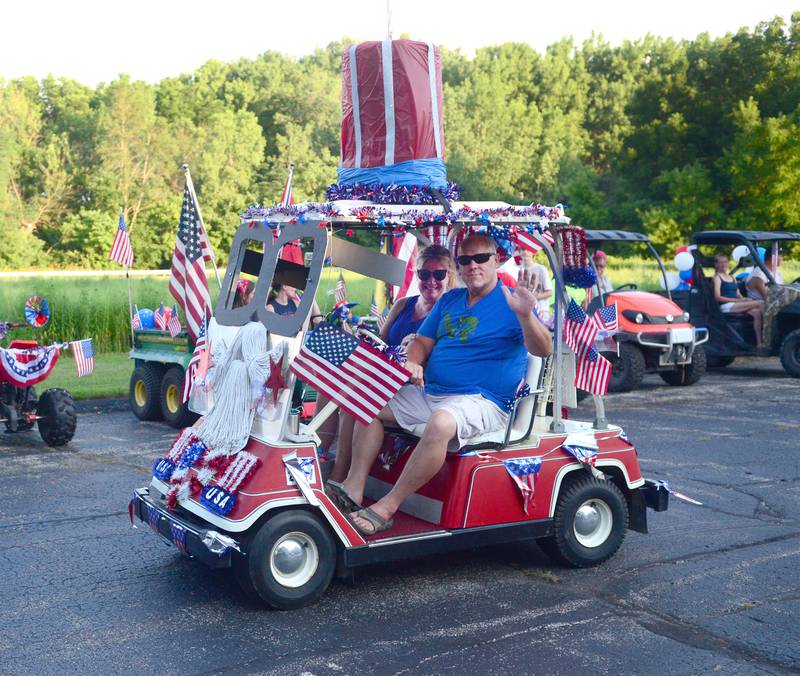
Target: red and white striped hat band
<point>391,103</point>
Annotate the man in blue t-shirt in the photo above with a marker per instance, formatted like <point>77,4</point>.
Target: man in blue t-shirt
<point>466,363</point>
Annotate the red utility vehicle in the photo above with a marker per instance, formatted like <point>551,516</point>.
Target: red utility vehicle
<point>285,539</point>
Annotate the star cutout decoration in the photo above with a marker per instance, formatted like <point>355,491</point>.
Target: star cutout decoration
<point>275,381</point>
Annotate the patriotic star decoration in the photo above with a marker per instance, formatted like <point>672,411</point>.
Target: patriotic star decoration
<point>275,381</point>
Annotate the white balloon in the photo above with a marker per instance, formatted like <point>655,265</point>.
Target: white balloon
<point>684,261</point>
<point>672,281</point>
<point>739,252</point>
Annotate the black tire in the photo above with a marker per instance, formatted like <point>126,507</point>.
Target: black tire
<point>301,531</point>
<point>688,374</point>
<point>627,370</point>
<point>144,391</point>
<point>28,395</point>
<point>607,500</point>
<point>719,362</point>
<point>58,417</point>
<point>173,409</point>
<point>790,353</point>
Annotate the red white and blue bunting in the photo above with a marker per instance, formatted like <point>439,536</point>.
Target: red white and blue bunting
<point>524,471</point>
<point>26,367</point>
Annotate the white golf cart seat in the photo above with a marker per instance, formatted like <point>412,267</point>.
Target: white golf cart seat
<point>520,419</point>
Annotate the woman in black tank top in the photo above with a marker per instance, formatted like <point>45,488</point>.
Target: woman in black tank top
<point>726,293</point>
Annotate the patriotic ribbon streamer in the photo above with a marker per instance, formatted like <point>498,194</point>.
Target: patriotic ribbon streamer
<point>220,497</point>
<point>663,483</point>
<point>586,456</point>
<point>524,471</point>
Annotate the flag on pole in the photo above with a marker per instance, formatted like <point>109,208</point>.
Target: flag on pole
<point>373,307</point>
<point>579,330</point>
<point>405,248</point>
<point>340,292</point>
<point>121,250</point>
<point>355,375</point>
<point>286,196</point>
<point>593,372</point>
<point>160,317</point>
<point>174,324</point>
<point>606,318</point>
<point>136,320</point>
<point>523,471</point>
<point>527,241</point>
<point>83,352</point>
<point>382,318</point>
<point>200,347</point>
<point>187,276</point>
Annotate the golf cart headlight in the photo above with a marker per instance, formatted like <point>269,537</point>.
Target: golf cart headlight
<point>639,318</point>
<point>669,319</point>
<point>685,316</point>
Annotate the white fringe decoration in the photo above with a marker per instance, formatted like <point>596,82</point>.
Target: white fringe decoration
<point>241,369</point>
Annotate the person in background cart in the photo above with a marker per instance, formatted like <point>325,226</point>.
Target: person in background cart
<point>757,281</point>
<point>726,293</point>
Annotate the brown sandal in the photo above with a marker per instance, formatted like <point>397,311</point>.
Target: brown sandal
<point>377,522</point>
<point>338,495</point>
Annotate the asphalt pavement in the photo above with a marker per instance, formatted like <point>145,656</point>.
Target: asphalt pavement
<point>714,587</point>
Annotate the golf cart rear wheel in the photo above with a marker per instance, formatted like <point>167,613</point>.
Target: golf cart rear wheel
<point>589,524</point>
<point>58,417</point>
<point>687,374</point>
<point>627,370</point>
<point>790,353</point>
<point>290,560</point>
<point>144,391</point>
<point>173,408</point>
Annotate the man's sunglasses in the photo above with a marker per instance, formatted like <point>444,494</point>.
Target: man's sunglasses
<point>478,258</point>
<point>425,275</point>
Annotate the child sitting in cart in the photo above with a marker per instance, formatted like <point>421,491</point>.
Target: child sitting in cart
<point>469,356</point>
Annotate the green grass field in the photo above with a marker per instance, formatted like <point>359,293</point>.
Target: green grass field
<point>112,372</point>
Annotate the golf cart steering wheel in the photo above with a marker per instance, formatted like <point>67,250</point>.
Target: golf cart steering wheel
<point>631,287</point>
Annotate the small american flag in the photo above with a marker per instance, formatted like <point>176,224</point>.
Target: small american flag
<point>83,352</point>
<point>527,241</point>
<point>593,372</point>
<point>523,471</point>
<point>194,362</point>
<point>174,324</point>
<point>606,318</point>
<point>160,317</point>
<point>382,318</point>
<point>579,330</point>
<point>136,320</point>
<point>340,292</point>
<point>121,250</point>
<point>373,307</point>
<point>187,276</point>
<point>356,376</point>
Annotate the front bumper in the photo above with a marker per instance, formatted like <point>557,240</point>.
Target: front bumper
<point>652,495</point>
<point>187,533</point>
<point>676,345</point>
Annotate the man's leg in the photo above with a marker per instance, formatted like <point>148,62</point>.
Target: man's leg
<point>425,461</point>
<point>344,448</point>
<point>367,442</point>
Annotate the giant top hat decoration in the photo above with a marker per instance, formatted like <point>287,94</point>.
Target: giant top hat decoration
<point>392,142</point>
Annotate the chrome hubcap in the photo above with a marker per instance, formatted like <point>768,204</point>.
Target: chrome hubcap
<point>294,559</point>
<point>593,523</point>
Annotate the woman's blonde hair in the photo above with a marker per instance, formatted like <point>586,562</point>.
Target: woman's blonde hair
<point>435,252</point>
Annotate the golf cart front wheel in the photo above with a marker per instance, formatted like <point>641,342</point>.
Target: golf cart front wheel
<point>290,561</point>
<point>627,370</point>
<point>58,419</point>
<point>790,353</point>
<point>589,524</point>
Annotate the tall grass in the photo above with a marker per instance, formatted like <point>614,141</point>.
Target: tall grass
<point>97,306</point>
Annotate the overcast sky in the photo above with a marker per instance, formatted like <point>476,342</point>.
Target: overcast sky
<point>151,39</point>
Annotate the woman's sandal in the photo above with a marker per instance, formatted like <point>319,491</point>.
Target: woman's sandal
<point>377,522</point>
<point>338,495</point>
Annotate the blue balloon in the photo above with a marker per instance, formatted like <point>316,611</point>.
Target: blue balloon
<point>683,286</point>
<point>685,275</point>
<point>147,318</point>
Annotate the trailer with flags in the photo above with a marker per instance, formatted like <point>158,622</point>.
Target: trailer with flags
<point>246,488</point>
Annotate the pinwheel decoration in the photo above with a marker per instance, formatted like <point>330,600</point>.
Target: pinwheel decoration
<point>37,311</point>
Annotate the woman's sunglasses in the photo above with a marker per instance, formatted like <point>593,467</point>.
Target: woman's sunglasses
<point>478,258</point>
<point>425,275</point>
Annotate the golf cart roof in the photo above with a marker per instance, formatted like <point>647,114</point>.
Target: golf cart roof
<point>358,213</point>
<point>733,236</point>
<point>615,236</point>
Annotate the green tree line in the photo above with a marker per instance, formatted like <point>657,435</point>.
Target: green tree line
<point>655,134</point>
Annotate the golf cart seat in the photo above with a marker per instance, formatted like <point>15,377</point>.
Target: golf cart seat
<point>520,420</point>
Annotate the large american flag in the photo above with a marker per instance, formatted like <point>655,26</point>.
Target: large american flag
<point>200,346</point>
<point>121,250</point>
<point>83,353</point>
<point>187,277</point>
<point>356,376</point>
<point>527,241</point>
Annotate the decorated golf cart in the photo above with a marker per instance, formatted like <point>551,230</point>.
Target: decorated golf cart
<point>244,488</point>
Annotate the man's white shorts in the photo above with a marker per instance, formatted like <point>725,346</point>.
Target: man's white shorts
<point>474,413</point>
